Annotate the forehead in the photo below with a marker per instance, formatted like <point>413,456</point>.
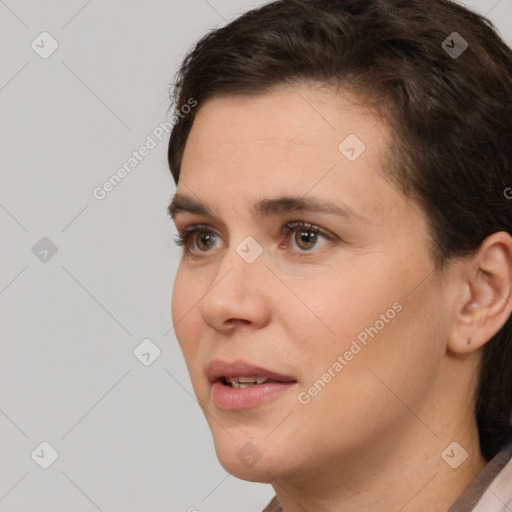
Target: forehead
<point>302,119</point>
<point>290,141</point>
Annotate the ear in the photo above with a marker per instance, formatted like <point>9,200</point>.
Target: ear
<point>486,300</point>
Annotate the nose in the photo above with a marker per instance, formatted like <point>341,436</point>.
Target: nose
<point>238,295</point>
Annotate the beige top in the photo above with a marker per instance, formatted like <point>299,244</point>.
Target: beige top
<point>490,491</point>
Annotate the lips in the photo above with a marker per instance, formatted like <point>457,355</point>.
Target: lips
<point>219,370</point>
<point>239,385</point>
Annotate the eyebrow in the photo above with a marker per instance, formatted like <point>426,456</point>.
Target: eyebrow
<point>271,207</point>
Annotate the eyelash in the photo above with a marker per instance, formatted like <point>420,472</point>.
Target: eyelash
<point>184,236</point>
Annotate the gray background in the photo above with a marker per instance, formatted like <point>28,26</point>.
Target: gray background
<point>129,436</point>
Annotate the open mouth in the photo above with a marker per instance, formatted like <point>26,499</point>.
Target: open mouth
<point>247,382</point>
<point>239,385</point>
<point>234,393</point>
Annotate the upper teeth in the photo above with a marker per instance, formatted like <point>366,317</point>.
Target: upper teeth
<point>245,382</point>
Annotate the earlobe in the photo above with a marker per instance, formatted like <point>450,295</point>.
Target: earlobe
<point>466,344</point>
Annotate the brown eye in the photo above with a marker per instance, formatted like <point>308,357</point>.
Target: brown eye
<point>305,236</point>
<point>306,239</point>
<point>204,241</point>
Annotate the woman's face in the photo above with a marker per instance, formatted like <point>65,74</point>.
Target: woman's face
<point>353,318</point>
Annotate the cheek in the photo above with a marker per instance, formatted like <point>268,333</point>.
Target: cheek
<point>376,315</point>
<point>178,300</point>
<point>367,395</point>
<point>184,312</point>
<point>336,306</point>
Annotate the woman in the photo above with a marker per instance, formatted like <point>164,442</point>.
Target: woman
<point>344,295</point>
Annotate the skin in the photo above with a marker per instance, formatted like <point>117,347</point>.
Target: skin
<point>372,439</point>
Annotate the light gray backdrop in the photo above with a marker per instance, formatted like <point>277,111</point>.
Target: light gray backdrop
<point>92,416</point>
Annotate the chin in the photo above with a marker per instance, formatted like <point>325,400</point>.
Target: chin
<point>244,460</point>
<point>257,473</point>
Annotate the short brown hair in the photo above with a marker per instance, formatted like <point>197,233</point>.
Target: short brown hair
<point>450,117</point>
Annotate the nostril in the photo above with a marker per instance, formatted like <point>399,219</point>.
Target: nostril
<point>238,320</point>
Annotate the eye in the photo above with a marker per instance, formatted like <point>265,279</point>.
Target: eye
<point>306,235</point>
<point>190,234</point>
<point>200,238</point>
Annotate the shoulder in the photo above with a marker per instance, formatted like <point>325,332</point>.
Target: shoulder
<point>491,490</point>
<point>498,496</point>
